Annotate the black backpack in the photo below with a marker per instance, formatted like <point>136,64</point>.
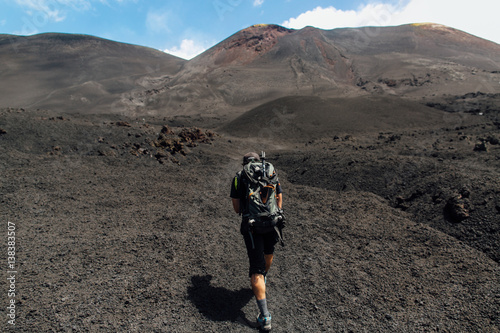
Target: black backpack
<point>260,180</point>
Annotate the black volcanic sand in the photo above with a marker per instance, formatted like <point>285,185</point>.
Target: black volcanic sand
<point>388,231</point>
<point>294,118</point>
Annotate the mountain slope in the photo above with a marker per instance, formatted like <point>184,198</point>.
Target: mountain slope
<point>291,119</point>
<point>256,65</point>
<point>426,63</point>
<point>67,72</point>
<point>420,60</point>
<point>265,62</point>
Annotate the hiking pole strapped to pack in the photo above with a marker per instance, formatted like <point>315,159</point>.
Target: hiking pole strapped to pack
<point>263,158</point>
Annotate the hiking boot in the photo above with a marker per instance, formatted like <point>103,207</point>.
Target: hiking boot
<point>264,322</point>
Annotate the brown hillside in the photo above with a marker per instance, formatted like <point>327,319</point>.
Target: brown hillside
<point>426,63</point>
<point>81,72</point>
<point>295,118</point>
<point>262,63</point>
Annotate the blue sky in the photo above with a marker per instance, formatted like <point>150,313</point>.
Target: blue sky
<point>186,28</point>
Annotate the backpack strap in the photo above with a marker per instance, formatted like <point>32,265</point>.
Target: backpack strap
<point>251,238</point>
<point>279,232</point>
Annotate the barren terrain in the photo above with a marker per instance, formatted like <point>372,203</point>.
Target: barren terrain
<point>116,233</point>
<point>117,182</point>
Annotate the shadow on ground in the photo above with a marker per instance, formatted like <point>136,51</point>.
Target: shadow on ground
<point>218,303</point>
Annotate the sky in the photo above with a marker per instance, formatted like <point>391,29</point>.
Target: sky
<point>187,28</point>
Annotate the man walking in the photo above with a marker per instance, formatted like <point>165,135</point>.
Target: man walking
<point>260,246</point>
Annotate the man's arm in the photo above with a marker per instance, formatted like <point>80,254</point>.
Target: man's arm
<point>279,200</point>
<point>235,194</point>
<point>236,205</point>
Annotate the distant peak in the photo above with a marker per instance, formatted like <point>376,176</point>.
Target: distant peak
<point>439,29</point>
<point>262,25</point>
<point>432,26</point>
<point>428,24</point>
<point>247,44</point>
<point>267,27</point>
<point>259,37</point>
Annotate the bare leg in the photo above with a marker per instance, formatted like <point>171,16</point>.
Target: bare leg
<point>258,286</point>
<point>259,290</point>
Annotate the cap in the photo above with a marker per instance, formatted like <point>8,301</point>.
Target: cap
<point>248,157</point>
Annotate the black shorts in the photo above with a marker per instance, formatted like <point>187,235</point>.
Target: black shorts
<point>263,244</point>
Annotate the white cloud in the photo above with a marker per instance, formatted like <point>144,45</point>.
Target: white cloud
<point>158,22</point>
<point>41,12</point>
<point>258,3</point>
<point>330,18</point>
<point>478,18</point>
<point>50,10</point>
<point>56,10</point>
<point>187,50</point>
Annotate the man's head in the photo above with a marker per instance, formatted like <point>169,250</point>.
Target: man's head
<point>250,157</point>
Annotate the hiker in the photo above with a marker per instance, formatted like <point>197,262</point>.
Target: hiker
<point>259,243</point>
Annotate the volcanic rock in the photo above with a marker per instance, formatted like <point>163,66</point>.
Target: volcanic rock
<point>457,208</point>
